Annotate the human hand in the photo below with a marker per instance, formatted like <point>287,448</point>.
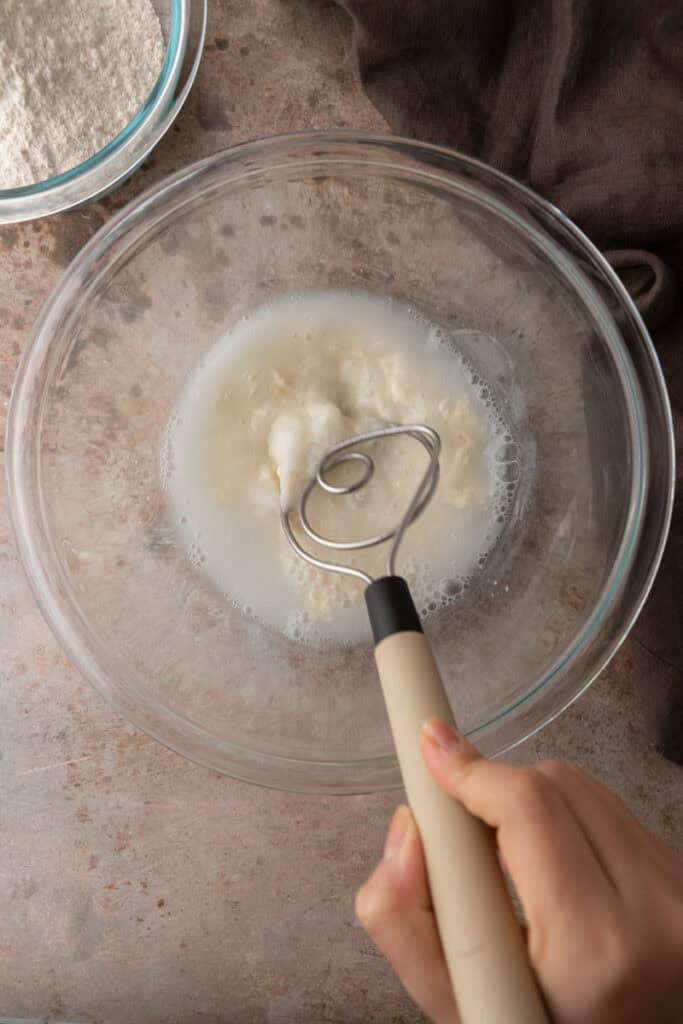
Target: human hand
<point>603,897</point>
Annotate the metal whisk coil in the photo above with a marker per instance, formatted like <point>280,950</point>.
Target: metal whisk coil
<point>347,452</point>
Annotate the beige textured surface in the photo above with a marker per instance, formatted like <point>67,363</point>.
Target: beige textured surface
<point>136,888</point>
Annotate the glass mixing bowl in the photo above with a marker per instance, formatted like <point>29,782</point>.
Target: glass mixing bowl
<point>526,297</point>
<point>183,23</point>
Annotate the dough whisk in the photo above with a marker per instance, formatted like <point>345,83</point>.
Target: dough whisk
<point>482,941</point>
<point>347,452</point>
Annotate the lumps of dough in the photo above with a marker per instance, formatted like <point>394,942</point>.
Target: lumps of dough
<point>265,403</point>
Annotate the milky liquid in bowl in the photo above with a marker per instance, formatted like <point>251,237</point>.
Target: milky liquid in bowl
<point>281,386</point>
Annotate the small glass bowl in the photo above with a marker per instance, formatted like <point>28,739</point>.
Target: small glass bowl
<point>183,24</point>
<point>525,296</point>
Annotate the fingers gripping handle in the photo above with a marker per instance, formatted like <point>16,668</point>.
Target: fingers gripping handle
<point>482,940</point>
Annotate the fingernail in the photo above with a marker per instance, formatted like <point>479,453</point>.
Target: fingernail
<point>398,829</point>
<point>444,737</point>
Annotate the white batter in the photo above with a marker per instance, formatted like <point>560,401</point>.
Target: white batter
<point>265,402</point>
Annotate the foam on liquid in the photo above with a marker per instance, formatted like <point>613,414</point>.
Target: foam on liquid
<point>261,407</point>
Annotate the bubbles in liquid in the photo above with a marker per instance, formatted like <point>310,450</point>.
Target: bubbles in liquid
<point>197,556</point>
<point>299,627</point>
<point>167,457</point>
<point>508,473</point>
<point>451,588</point>
<point>433,595</point>
<point>507,452</point>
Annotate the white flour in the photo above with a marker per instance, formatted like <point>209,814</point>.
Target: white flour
<point>73,73</point>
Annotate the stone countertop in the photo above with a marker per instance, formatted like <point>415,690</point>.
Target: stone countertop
<point>136,888</point>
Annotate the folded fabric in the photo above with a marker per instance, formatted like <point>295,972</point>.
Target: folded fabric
<point>581,99</point>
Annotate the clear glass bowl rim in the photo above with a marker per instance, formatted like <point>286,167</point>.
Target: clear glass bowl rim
<point>171,729</point>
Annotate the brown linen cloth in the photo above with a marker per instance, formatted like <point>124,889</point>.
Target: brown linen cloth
<point>583,101</point>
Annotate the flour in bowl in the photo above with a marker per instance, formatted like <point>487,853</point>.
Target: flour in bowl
<point>73,74</point>
<point>264,404</point>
